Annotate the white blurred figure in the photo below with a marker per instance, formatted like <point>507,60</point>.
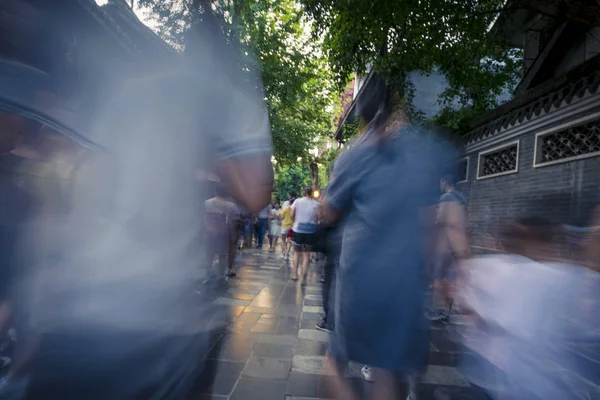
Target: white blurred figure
<point>118,316</point>
<point>523,310</point>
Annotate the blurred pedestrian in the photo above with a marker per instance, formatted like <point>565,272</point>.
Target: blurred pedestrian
<point>452,245</point>
<point>221,218</point>
<point>261,225</point>
<point>382,188</point>
<point>287,222</point>
<point>304,213</point>
<point>524,312</point>
<point>126,321</point>
<point>274,227</point>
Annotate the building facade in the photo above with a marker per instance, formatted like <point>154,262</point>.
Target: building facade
<point>538,154</point>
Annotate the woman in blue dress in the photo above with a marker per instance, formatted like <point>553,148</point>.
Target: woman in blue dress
<point>384,187</point>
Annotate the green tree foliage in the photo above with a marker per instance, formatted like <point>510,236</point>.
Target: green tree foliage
<point>272,38</point>
<point>291,179</point>
<point>400,36</point>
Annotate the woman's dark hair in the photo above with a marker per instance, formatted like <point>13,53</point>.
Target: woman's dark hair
<point>307,191</point>
<point>221,189</point>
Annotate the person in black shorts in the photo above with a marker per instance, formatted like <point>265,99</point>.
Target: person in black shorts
<point>304,212</point>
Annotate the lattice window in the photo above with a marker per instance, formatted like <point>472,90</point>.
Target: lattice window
<point>569,144</point>
<point>463,170</point>
<point>498,161</point>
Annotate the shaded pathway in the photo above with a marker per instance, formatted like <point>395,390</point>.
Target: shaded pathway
<point>265,345</point>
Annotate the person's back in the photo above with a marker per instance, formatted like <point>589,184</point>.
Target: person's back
<point>305,214</point>
<point>383,188</point>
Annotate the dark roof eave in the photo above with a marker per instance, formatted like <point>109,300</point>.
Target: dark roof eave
<point>349,116</point>
<point>572,84</point>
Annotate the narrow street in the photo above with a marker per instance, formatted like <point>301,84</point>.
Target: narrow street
<point>266,346</point>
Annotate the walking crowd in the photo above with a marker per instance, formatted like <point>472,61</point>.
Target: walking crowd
<point>99,281</point>
<point>397,259</point>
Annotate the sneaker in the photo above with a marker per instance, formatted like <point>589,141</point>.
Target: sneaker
<point>322,326</point>
<point>367,373</point>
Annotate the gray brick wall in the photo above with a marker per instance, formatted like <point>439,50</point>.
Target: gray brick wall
<point>566,193</point>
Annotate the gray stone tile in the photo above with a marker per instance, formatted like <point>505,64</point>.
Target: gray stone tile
<point>311,334</point>
<point>316,303</point>
<point>442,375</point>
<point>312,309</point>
<point>231,302</point>
<point>310,386</point>
<point>241,296</point>
<point>288,310</point>
<point>310,365</point>
<point>305,398</point>
<point>232,348</point>
<point>220,377</point>
<point>259,389</point>
<point>271,268</point>
<point>267,368</point>
<point>260,310</point>
<point>287,340</point>
<point>264,327</point>
<point>311,316</point>
<point>245,322</point>
<point>317,297</point>
<point>235,290</point>
<point>284,352</point>
<point>310,348</point>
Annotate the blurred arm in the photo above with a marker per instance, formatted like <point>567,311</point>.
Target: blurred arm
<point>250,179</point>
<point>451,219</point>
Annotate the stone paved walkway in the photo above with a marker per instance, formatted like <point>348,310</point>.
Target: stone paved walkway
<point>265,345</point>
<point>268,348</point>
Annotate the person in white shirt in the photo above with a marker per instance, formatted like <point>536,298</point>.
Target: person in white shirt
<point>304,212</point>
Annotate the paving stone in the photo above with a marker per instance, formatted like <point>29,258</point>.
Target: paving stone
<point>317,297</point>
<point>306,347</point>
<point>260,310</point>
<point>447,359</point>
<point>312,309</point>
<point>245,322</point>
<point>268,350</point>
<point>288,340</point>
<point>231,302</point>
<point>310,365</point>
<point>259,389</point>
<point>219,377</point>
<point>272,268</point>
<point>309,385</point>
<point>288,310</point>
<point>241,296</point>
<point>316,303</point>
<point>264,327</point>
<point>232,348</point>
<point>442,375</point>
<point>235,290</point>
<point>267,368</point>
<point>312,316</point>
<point>316,335</point>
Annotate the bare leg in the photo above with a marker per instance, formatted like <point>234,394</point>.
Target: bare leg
<point>341,386</point>
<point>295,264</point>
<point>385,386</point>
<point>275,241</point>
<point>305,260</point>
<point>231,258</point>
